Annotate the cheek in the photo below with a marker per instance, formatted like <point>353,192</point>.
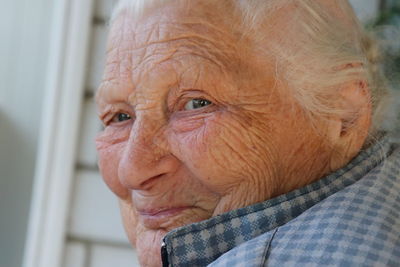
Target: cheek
<point>224,152</point>
<point>109,151</point>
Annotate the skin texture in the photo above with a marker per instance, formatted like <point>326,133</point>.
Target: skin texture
<point>170,166</point>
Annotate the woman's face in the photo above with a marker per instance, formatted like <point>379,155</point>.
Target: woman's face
<point>195,125</point>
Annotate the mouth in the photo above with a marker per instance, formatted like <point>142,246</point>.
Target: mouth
<point>154,218</point>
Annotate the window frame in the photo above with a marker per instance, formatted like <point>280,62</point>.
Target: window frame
<point>64,93</point>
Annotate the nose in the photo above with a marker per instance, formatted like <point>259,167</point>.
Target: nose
<point>146,157</point>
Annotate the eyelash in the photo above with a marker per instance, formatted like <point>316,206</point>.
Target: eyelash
<point>113,118</point>
<point>119,119</point>
<point>196,102</point>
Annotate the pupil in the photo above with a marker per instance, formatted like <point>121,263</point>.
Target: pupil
<point>199,103</point>
<point>123,117</point>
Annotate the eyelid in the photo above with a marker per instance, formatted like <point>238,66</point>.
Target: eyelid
<point>105,118</point>
<point>177,101</point>
<point>114,116</point>
<point>111,112</point>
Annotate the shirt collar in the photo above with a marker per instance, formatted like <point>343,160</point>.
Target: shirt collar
<point>201,243</point>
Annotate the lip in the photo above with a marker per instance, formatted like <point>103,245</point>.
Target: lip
<point>153,218</point>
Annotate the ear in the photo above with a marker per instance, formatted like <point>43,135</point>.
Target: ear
<point>350,128</point>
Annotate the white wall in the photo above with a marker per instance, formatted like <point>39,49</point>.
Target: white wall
<point>24,33</point>
<point>95,235</point>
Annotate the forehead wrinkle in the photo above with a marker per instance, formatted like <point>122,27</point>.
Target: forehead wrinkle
<point>175,48</point>
<point>184,49</point>
<point>200,35</point>
<point>195,78</point>
<point>184,53</point>
<point>142,46</point>
<point>195,41</point>
<point>118,65</point>
<point>187,73</point>
<point>162,29</point>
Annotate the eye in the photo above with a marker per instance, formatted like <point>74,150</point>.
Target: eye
<point>196,104</point>
<point>120,117</point>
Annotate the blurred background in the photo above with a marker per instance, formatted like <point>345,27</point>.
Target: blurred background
<point>54,208</point>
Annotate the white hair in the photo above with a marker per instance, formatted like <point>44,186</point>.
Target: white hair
<point>317,66</point>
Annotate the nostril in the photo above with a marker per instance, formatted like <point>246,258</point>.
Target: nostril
<point>138,171</point>
<point>146,185</point>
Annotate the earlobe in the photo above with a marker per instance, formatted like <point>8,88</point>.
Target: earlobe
<point>351,128</point>
<point>356,109</point>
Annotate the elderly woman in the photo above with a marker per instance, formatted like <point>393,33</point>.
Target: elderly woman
<point>246,133</point>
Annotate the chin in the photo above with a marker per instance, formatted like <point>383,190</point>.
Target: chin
<point>148,246</point>
<point>148,235</point>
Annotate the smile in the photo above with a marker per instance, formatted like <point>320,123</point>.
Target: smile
<point>154,218</point>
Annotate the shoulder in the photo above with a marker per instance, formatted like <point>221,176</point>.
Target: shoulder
<point>250,254</point>
<point>357,226</point>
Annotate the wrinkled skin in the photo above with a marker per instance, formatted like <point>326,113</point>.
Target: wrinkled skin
<point>170,164</point>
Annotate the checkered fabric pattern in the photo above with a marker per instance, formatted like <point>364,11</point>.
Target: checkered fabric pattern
<point>336,220</point>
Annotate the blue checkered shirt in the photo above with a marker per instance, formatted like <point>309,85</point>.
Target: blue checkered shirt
<point>349,218</point>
